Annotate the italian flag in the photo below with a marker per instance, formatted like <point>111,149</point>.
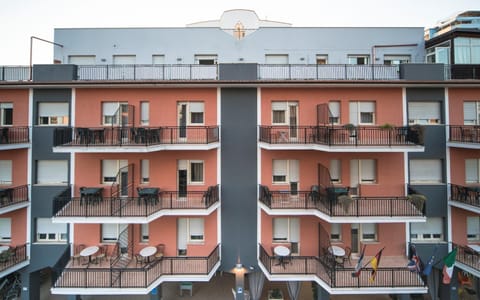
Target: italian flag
<point>449,262</point>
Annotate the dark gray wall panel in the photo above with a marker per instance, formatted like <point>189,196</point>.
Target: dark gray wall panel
<point>54,73</point>
<point>239,177</point>
<point>434,139</point>
<point>436,203</point>
<point>238,71</point>
<point>422,71</point>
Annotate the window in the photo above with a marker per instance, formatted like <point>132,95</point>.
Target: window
<point>52,172</point>
<point>191,113</point>
<point>5,229</point>
<point>432,230</point>
<point>124,59</point>
<point>362,112</point>
<point>158,59</point>
<point>145,170</point>
<point>334,112</point>
<point>239,31</point>
<point>396,59</point>
<point>53,113</point>
<point>284,113</point>
<point>81,59</point>
<point>144,232</point>
<point>369,231</point>
<point>6,113</point>
<point>322,59</point>
<point>473,228</point>
<point>110,169</point>
<point>206,59</point>
<point>336,232</point>
<point>196,172</point>
<point>467,50</point>
<point>285,171</point>
<point>50,232</point>
<point>335,170</point>
<point>427,113</point>
<point>191,171</point>
<point>358,59</point>
<point>144,113</point>
<point>115,113</point>
<point>471,113</point>
<point>426,170</point>
<point>276,59</point>
<point>191,230</point>
<point>5,172</point>
<point>286,230</point>
<point>111,232</point>
<point>472,170</point>
<point>363,170</point>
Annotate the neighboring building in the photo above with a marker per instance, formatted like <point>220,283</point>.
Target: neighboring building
<point>283,151</point>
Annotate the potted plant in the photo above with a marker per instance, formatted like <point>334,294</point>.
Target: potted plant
<point>352,129</point>
<point>418,200</point>
<point>387,126</point>
<point>275,294</point>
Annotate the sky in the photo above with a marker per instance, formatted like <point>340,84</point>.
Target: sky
<point>21,19</point>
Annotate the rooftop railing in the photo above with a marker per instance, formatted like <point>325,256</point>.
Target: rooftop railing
<point>14,73</point>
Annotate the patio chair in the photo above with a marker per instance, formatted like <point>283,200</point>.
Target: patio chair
<point>160,251</point>
<point>140,260</point>
<point>76,255</point>
<point>102,254</point>
<point>348,255</point>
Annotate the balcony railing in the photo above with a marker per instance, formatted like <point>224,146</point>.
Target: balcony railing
<point>14,73</point>
<point>135,206</point>
<point>14,255</point>
<point>13,195</point>
<point>135,277</point>
<point>135,136</point>
<point>14,135</point>
<point>468,256</point>
<point>330,205</point>
<point>465,133</point>
<point>462,71</point>
<point>342,135</point>
<point>465,194</point>
<point>335,277</point>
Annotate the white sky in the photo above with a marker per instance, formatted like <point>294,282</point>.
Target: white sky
<point>21,19</point>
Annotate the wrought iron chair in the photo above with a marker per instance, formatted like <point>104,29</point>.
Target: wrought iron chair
<point>76,256</point>
<point>160,251</point>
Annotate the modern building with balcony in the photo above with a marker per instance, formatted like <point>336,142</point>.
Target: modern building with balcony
<point>276,153</point>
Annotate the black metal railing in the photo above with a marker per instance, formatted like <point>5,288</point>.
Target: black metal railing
<point>13,195</point>
<point>14,135</point>
<point>462,71</point>
<point>135,136</point>
<point>134,206</point>
<point>13,256</point>
<point>136,277</point>
<point>467,256</point>
<point>329,204</point>
<point>342,135</point>
<point>464,133</point>
<point>465,194</point>
<point>341,277</point>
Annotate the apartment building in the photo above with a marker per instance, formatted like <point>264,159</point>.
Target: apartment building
<point>152,155</point>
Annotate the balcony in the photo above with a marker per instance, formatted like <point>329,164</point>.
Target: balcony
<point>464,136</point>
<point>466,197</point>
<point>12,198</point>
<point>14,137</point>
<point>468,258</point>
<point>12,258</point>
<point>77,209</point>
<point>135,139</point>
<point>14,73</point>
<point>330,208</point>
<point>133,278</point>
<point>392,274</point>
<point>462,71</point>
<point>341,138</point>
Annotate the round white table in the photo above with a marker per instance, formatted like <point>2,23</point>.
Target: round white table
<point>148,251</point>
<point>336,250</point>
<point>281,251</point>
<point>89,251</point>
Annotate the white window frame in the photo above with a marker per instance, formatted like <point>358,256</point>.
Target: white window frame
<point>334,109</point>
<point>6,172</point>
<point>429,114</point>
<point>472,170</point>
<point>335,170</point>
<point>421,171</point>
<point>291,170</point>
<point>4,106</point>
<point>355,59</point>
<point>195,230</point>
<point>115,228</point>
<point>283,107</point>
<point>53,113</point>
<point>292,227</point>
<point>471,113</point>
<point>113,107</point>
<point>145,171</point>
<point>321,59</point>
<point>109,167</point>
<point>363,166</point>
<point>473,228</point>
<point>47,231</point>
<point>144,113</point>
<point>430,231</point>
<point>191,175</point>
<point>204,59</point>
<point>193,107</point>
<point>361,109</point>
<point>47,177</point>
<point>144,232</point>
<point>368,232</point>
<point>5,230</point>
<point>336,232</point>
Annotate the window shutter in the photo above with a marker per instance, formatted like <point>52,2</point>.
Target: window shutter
<point>81,60</point>
<point>433,225</point>
<point>279,105</point>
<point>354,112</point>
<point>5,228</point>
<point>471,170</point>
<point>334,108</point>
<point>109,232</point>
<point>144,230</point>
<point>52,109</point>
<point>196,226</point>
<point>368,228</point>
<point>45,225</point>
<point>280,228</point>
<point>124,59</point>
<point>110,108</point>
<point>294,230</point>
<point>52,171</point>
<point>5,171</point>
<point>368,170</point>
<point>426,170</point>
<point>145,113</point>
<point>182,233</point>
<point>354,180</point>
<point>294,171</point>
<point>196,107</point>
<point>279,167</point>
<point>158,59</point>
<point>423,110</point>
<point>469,113</point>
<point>145,165</point>
<point>276,59</point>
<point>109,168</point>
<point>335,169</point>
<point>367,107</point>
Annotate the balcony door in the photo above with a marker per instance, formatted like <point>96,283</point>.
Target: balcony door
<point>182,178</point>
<point>182,119</point>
